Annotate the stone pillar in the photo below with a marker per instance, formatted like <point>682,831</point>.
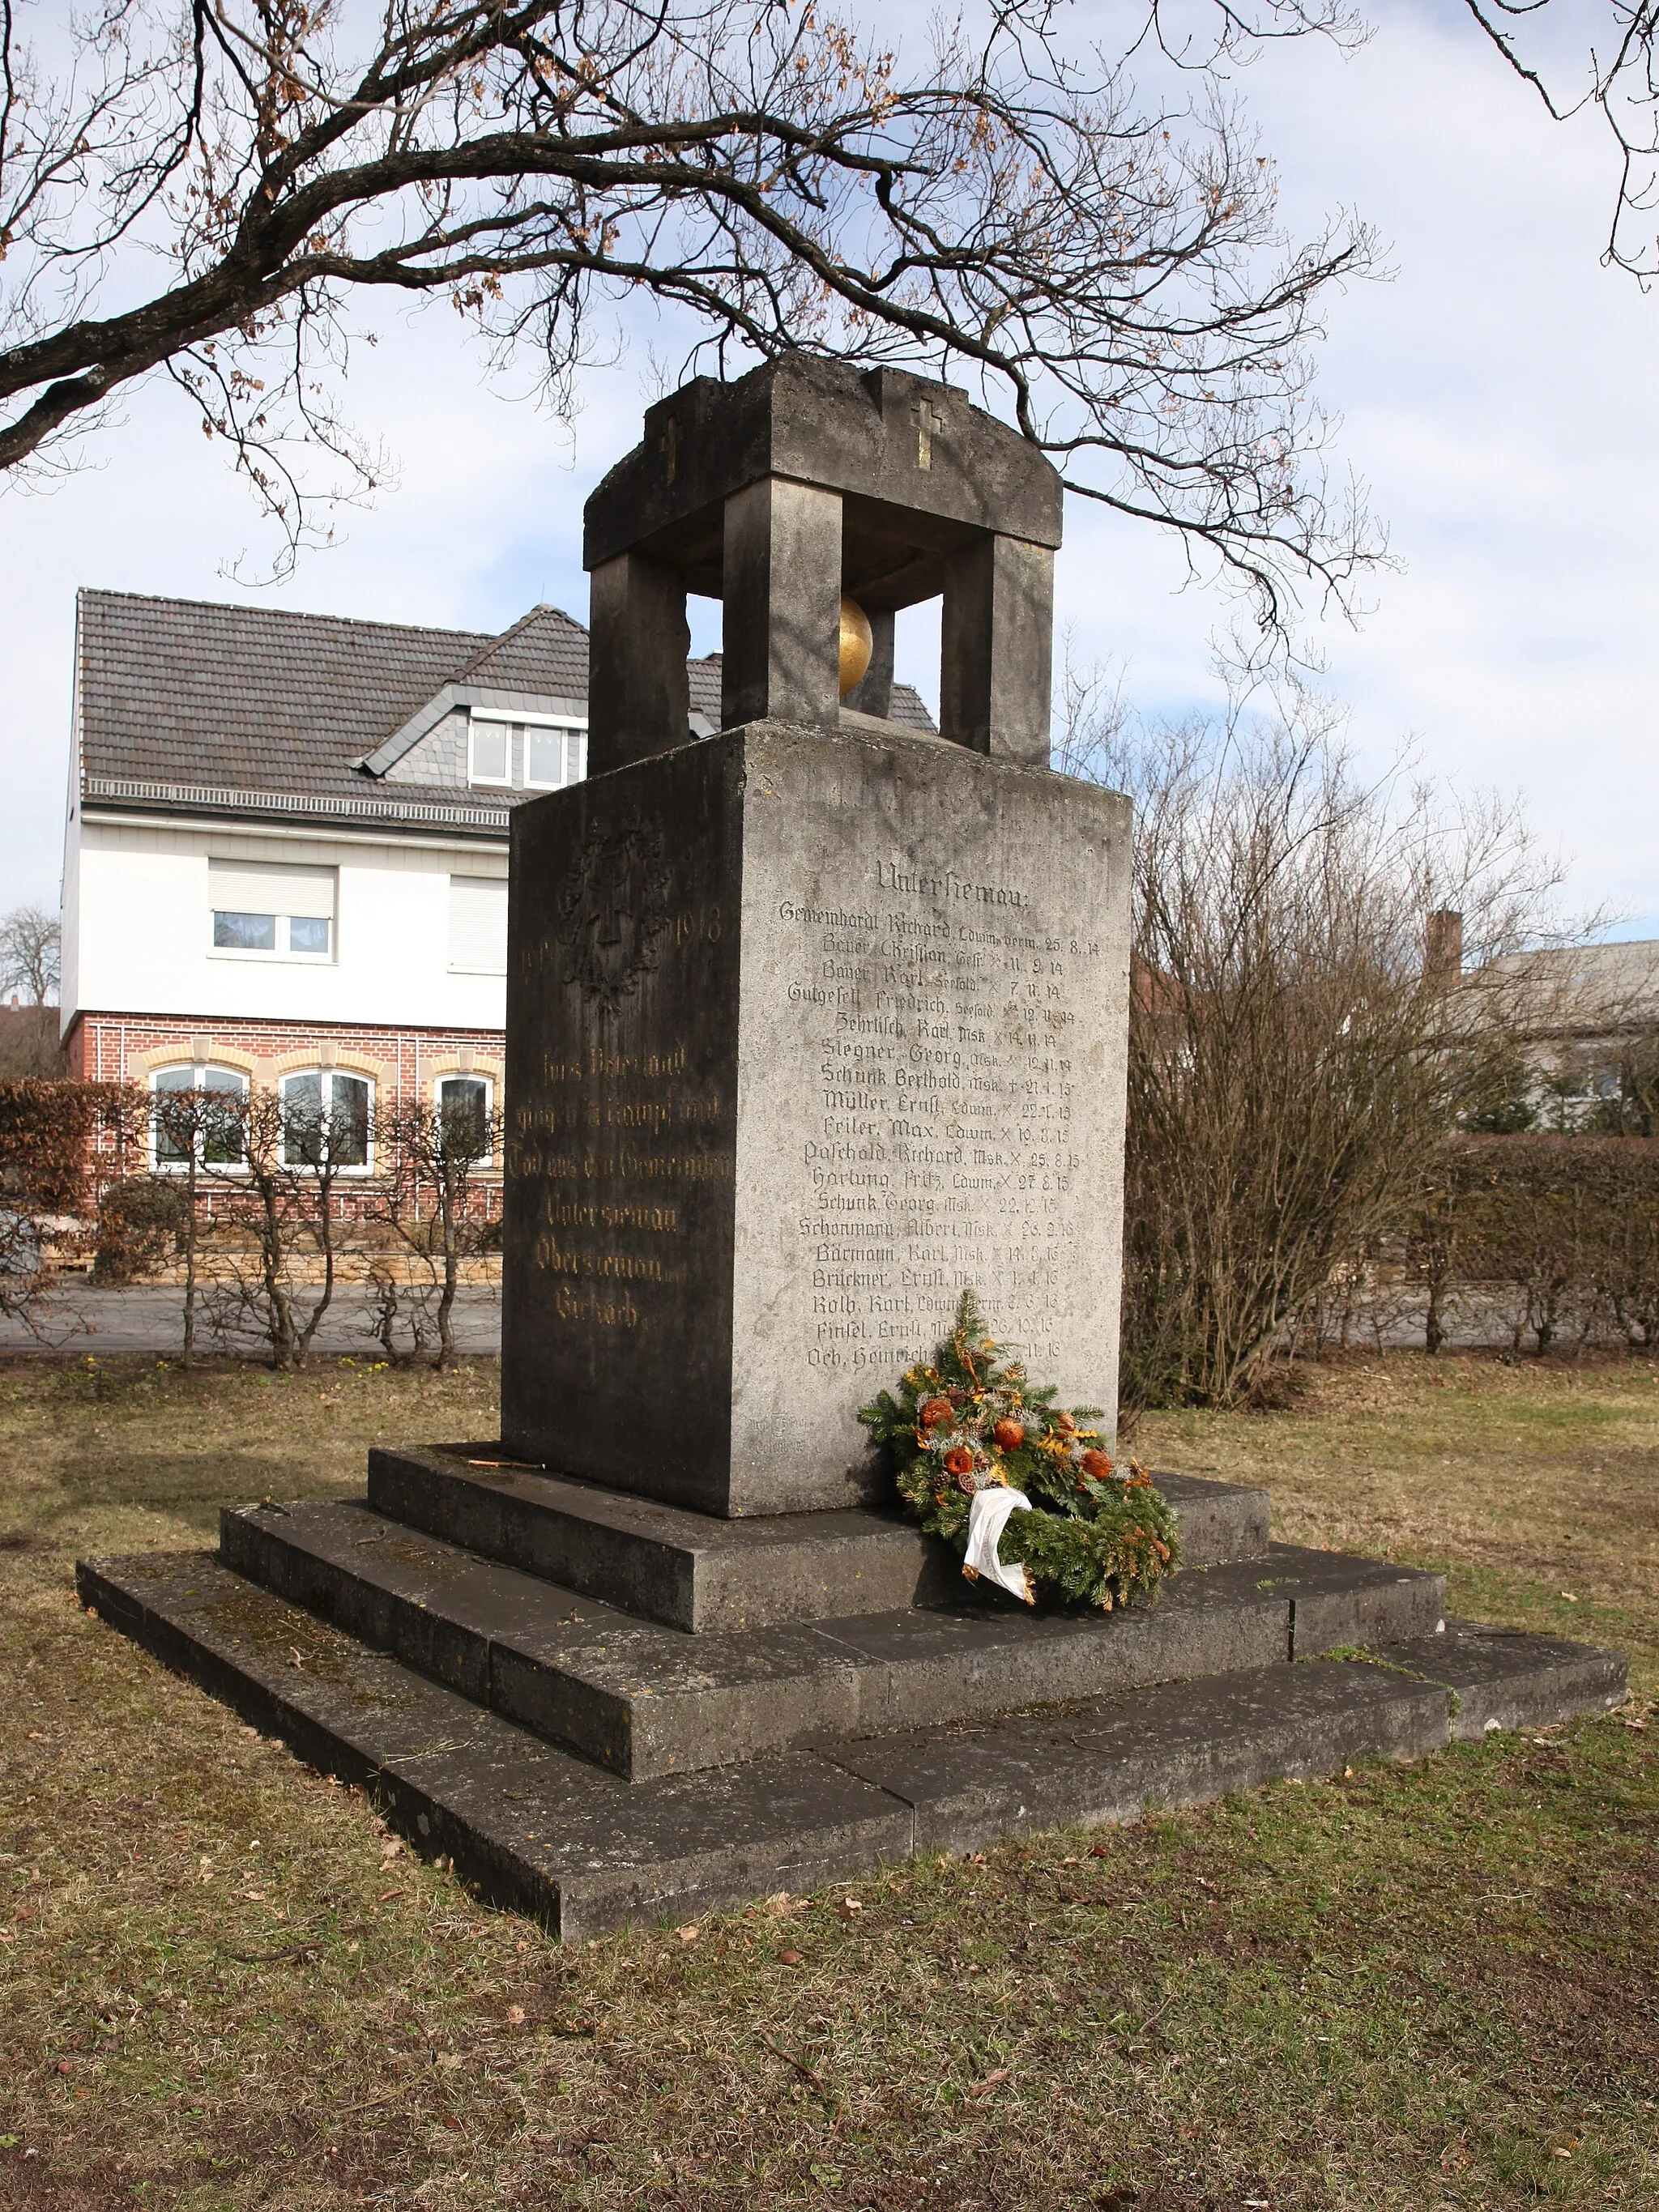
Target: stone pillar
<point>996,649</point>
<point>638,700</point>
<point>808,1031</point>
<point>873,693</point>
<point>781,585</point>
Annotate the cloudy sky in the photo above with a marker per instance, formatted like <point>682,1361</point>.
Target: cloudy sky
<point>1495,397</point>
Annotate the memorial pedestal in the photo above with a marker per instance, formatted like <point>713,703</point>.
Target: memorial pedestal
<point>807,1033</point>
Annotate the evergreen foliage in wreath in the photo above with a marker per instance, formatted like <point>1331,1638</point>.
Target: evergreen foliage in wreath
<point>965,1424</point>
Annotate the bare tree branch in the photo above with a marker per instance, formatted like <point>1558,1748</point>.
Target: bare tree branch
<point>1621,77</point>
<point>1106,268</point>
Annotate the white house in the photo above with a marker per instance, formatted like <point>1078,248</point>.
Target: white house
<point>285,855</point>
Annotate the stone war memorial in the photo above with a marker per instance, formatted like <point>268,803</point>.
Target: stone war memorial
<point>813,1024</point>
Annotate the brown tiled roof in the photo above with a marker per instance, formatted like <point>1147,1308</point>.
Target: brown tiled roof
<point>199,707</point>
<point>182,692</point>
<point>544,653</point>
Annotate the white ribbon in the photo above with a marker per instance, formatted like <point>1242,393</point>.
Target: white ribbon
<point>987,1517</point>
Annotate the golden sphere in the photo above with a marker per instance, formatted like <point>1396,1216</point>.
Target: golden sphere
<point>857,644</point>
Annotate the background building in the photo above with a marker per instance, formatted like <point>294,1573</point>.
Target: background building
<point>286,848</point>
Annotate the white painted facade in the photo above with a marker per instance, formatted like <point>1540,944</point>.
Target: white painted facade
<point>139,899</point>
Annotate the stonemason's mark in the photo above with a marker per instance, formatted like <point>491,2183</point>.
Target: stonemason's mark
<point>614,913</point>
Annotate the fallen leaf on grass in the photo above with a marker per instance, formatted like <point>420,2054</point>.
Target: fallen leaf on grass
<point>690,1933</point>
<point>386,1895</point>
<point>516,2015</point>
<point>984,2088</point>
<point>789,1959</point>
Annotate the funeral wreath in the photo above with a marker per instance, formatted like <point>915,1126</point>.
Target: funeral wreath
<point>1023,1489</point>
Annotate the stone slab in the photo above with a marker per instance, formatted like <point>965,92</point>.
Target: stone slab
<point>698,1572</point>
<point>543,1832</point>
<point>1183,1743</point>
<point>646,1700</point>
<point>906,452</point>
<point>1504,1678</point>
<point>1336,1599</point>
<point>806,1033</point>
<point>536,1829</point>
<point>690,1571</point>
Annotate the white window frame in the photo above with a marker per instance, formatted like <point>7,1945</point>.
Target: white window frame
<point>568,725</point>
<point>475,716</point>
<point>283,949</point>
<point>485,1161</point>
<point>200,1070</point>
<point>326,1075</point>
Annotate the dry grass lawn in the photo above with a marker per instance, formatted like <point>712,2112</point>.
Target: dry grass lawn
<point>223,1986</point>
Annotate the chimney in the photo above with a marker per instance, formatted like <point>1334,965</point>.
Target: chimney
<point>1443,949</point>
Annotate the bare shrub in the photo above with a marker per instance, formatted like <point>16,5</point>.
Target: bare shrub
<point>292,1200</point>
<point>1556,1235</point>
<point>1294,1053</point>
<point>428,1198</point>
<point>143,1222</point>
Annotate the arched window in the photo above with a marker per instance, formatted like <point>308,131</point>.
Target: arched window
<point>326,1118</point>
<point>215,1137</point>
<point>463,1104</point>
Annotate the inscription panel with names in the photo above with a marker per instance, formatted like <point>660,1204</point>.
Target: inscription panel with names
<point>934,1067</point>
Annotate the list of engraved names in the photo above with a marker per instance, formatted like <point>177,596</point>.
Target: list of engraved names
<point>949,1113</point>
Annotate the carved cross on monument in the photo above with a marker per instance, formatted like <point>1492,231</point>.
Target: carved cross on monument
<point>928,419</point>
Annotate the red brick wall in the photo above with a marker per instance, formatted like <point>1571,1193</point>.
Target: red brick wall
<point>100,1047</point>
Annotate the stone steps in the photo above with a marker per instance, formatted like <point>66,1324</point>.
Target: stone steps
<point>542,1830</point>
<point>645,1700</point>
<point>698,1572</point>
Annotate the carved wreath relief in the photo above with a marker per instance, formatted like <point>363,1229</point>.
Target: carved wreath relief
<point>615,910</point>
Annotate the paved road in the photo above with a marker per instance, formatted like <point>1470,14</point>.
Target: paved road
<point>148,1319</point>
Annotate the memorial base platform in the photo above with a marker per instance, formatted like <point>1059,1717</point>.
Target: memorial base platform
<point>656,1712</point>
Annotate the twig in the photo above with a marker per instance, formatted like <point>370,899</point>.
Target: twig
<point>801,2066</point>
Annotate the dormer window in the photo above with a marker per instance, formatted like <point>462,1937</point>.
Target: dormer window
<point>524,752</point>
<point>491,758</point>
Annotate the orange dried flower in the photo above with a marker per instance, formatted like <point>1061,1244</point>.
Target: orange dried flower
<point>1097,1464</point>
<point>959,1461</point>
<point>1010,1435</point>
<point>935,1411</point>
<point>1066,1424</point>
